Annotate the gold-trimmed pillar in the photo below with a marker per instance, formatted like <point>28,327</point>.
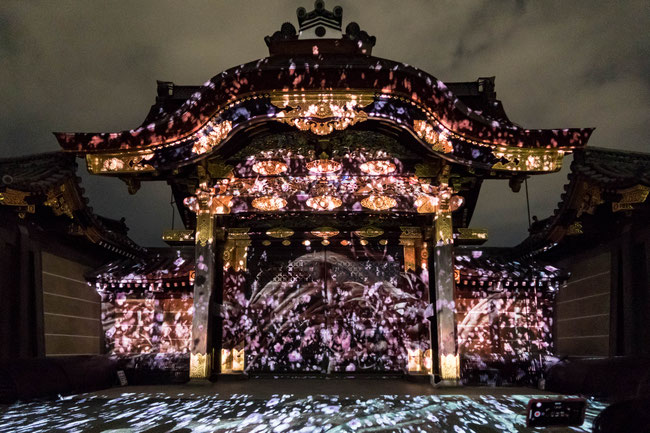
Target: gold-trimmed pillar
<point>237,244</point>
<point>448,362</point>
<point>235,252</point>
<point>206,205</point>
<point>201,355</point>
<point>410,239</point>
<point>415,260</point>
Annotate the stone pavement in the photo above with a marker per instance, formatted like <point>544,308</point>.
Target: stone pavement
<point>283,405</point>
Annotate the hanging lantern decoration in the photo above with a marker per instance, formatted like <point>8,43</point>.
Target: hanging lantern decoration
<point>280,232</point>
<point>378,202</point>
<point>325,232</point>
<point>378,167</point>
<point>323,166</point>
<point>269,167</point>
<point>324,202</point>
<point>323,197</point>
<point>269,203</point>
<point>369,232</point>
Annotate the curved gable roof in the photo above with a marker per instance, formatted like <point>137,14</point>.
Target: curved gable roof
<point>322,74</point>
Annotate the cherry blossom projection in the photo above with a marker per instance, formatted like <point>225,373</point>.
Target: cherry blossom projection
<point>323,307</point>
<point>189,412</point>
<point>504,316</point>
<point>137,323</point>
<point>330,300</point>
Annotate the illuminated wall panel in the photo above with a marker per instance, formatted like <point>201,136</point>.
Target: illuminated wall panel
<point>137,325</point>
<point>502,322</point>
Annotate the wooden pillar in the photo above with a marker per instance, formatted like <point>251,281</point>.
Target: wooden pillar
<point>416,261</point>
<point>201,355</point>
<point>232,359</point>
<point>216,302</point>
<point>448,360</point>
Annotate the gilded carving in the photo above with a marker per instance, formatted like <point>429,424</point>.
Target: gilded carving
<point>369,232</point>
<point>449,367</point>
<point>411,233</point>
<point>280,232</point>
<point>427,132</point>
<point>13,197</point>
<point>591,198</point>
<point>115,163</point>
<point>238,360</point>
<point>238,233</point>
<point>204,229</point>
<point>241,253</point>
<point>178,235</point>
<point>409,237</point>
<point>207,202</point>
<point>472,234</point>
<point>631,196</point>
<point>409,255</point>
<point>237,248</point>
<point>210,136</point>
<point>574,229</point>
<point>325,232</point>
<point>58,202</point>
<point>228,254</point>
<point>378,202</point>
<point>200,364</point>
<point>226,361</point>
<point>443,228</point>
<point>527,159</point>
<point>137,161</point>
<point>322,113</point>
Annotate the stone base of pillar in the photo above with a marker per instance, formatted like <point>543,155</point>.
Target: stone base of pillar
<point>199,381</point>
<point>231,377</point>
<point>446,383</point>
<point>417,377</point>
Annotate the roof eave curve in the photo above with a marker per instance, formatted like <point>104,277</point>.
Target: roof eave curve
<point>324,73</point>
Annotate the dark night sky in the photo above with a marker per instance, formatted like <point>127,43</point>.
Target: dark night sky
<point>92,66</point>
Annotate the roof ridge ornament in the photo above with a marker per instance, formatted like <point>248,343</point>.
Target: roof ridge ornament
<point>320,18</point>
<point>320,32</point>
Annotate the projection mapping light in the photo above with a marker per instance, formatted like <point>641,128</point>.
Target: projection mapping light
<point>188,412</point>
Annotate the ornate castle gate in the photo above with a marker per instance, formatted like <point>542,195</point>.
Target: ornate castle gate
<point>320,134</point>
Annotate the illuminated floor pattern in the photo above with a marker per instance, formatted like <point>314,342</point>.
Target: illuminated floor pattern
<point>135,412</point>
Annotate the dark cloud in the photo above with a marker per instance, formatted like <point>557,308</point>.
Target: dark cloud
<point>92,66</point>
